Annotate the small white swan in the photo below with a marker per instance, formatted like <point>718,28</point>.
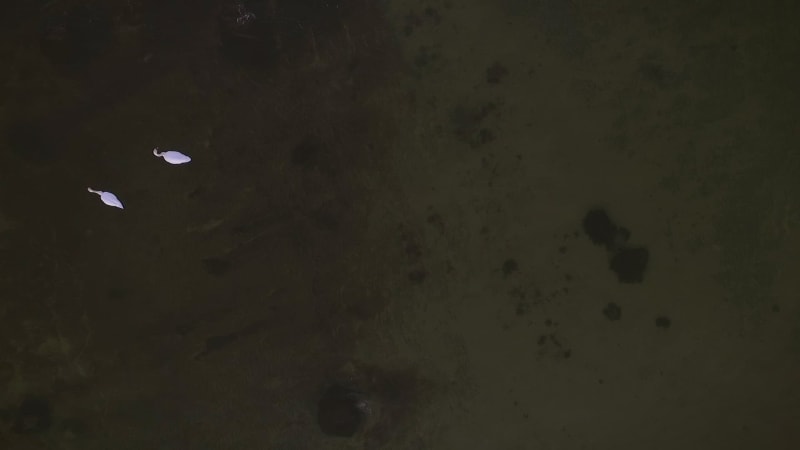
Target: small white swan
<point>172,157</point>
<point>108,198</point>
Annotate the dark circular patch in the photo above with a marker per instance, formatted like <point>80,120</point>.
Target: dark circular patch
<point>510,266</point>
<point>629,264</point>
<point>612,311</point>
<point>341,411</point>
<point>417,276</point>
<point>599,227</point>
<point>603,231</point>
<point>663,322</point>
<point>495,73</point>
<point>34,415</point>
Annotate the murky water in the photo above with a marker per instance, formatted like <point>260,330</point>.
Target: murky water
<point>406,224</point>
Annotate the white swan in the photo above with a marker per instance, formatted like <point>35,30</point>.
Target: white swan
<point>172,156</point>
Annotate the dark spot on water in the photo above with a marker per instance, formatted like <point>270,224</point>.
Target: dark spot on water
<point>436,221</point>
<point>623,234</point>
<point>612,311</point>
<point>341,411</point>
<point>411,22</point>
<point>603,231</point>
<point>663,322</point>
<point>413,250</point>
<point>495,73</point>
<point>510,266</point>
<point>657,74</point>
<point>483,137</point>
<point>33,416</point>
<point>433,15</point>
<point>73,428</point>
<point>216,266</point>
<point>426,56</point>
<point>467,121</point>
<point>629,264</point>
<point>214,343</point>
<point>417,276</point>
<point>598,226</point>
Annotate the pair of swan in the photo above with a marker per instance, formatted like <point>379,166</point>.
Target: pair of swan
<point>169,156</point>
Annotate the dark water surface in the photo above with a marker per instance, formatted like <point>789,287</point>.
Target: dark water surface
<point>416,224</point>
